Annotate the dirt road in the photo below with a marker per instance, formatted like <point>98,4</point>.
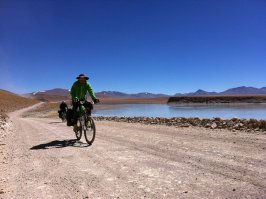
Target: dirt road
<point>41,159</point>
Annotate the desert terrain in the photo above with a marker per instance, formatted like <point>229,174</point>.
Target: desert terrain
<point>10,101</point>
<point>40,158</point>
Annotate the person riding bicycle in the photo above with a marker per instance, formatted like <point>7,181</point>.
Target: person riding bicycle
<point>63,107</point>
<point>79,91</point>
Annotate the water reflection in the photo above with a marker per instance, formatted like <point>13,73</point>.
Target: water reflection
<point>257,111</point>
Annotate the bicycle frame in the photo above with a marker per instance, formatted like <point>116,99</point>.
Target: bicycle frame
<point>86,123</point>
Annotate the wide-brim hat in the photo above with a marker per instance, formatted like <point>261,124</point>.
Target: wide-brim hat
<point>82,76</point>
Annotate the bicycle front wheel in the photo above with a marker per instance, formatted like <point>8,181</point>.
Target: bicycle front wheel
<point>91,131</point>
<point>79,128</point>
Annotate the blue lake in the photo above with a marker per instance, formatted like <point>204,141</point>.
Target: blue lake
<point>227,111</point>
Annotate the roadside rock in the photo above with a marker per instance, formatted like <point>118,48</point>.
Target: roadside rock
<point>184,125</point>
<point>214,125</point>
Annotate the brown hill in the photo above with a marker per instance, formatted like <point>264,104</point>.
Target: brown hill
<point>10,102</point>
<point>158,100</point>
<point>53,95</point>
<point>49,98</point>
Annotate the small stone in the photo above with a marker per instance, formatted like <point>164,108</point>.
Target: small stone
<point>217,119</point>
<point>208,125</point>
<point>214,125</point>
<point>234,119</point>
<point>184,125</point>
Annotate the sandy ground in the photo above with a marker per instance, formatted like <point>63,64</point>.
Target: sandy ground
<point>41,159</point>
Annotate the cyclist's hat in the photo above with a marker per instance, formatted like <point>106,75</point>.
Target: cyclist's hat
<point>82,76</point>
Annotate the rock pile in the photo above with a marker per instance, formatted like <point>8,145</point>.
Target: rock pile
<point>215,123</point>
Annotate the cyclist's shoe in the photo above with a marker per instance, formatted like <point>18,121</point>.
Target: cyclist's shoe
<point>96,101</point>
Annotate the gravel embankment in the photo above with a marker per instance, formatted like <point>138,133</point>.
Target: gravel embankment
<point>233,124</point>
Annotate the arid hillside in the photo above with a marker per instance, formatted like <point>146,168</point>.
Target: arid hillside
<point>49,98</point>
<point>10,102</point>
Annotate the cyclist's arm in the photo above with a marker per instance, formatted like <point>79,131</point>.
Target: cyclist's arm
<point>73,91</point>
<point>91,92</point>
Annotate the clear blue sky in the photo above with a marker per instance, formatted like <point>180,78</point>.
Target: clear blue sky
<point>159,46</point>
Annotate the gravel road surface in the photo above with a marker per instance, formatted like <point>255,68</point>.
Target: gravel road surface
<point>40,158</point>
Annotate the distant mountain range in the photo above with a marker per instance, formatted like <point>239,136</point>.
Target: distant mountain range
<point>64,93</point>
<point>243,90</point>
<point>116,94</point>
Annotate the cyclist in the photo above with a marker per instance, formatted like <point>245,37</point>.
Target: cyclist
<point>79,91</point>
<point>63,107</point>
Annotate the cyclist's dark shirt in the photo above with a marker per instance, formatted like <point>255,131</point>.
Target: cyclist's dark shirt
<point>63,106</point>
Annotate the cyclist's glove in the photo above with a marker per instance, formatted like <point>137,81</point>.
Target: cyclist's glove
<point>75,99</point>
<point>96,101</point>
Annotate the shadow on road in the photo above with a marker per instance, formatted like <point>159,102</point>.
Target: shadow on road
<point>60,144</point>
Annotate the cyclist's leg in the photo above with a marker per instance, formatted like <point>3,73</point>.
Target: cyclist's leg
<point>60,113</point>
<point>75,113</point>
<point>75,116</point>
<point>89,107</point>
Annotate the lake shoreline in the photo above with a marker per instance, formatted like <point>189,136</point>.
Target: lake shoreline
<point>226,111</point>
<point>173,104</point>
<point>211,99</point>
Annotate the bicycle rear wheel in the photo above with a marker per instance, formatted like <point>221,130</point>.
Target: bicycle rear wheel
<point>63,117</point>
<point>91,131</point>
